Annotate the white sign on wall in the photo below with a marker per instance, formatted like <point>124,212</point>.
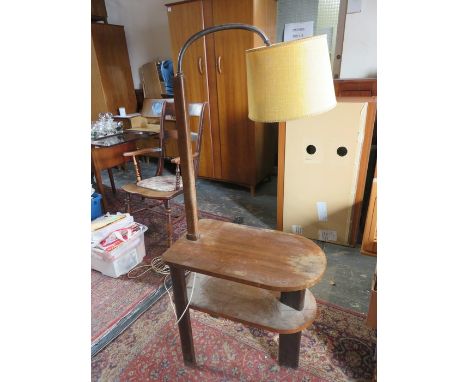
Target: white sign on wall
<point>354,6</point>
<point>294,31</point>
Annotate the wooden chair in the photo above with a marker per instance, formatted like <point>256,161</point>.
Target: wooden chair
<point>165,187</point>
<point>150,120</point>
<point>152,112</point>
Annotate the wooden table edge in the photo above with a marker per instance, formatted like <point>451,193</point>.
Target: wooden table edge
<point>248,282</point>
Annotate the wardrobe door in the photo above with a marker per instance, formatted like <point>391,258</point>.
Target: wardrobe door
<point>186,19</point>
<point>236,131</point>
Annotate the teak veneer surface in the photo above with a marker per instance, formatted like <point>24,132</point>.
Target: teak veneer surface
<point>249,305</point>
<point>263,258</point>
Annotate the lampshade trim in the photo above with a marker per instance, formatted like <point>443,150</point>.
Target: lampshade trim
<point>283,44</point>
<point>327,109</point>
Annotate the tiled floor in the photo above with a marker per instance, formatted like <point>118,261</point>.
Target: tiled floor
<point>348,276</point>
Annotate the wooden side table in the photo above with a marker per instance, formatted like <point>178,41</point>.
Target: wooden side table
<point>239,270</point>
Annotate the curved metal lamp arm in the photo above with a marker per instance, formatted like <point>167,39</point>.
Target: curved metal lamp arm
<point>218,28</point>
<point>183,127</point>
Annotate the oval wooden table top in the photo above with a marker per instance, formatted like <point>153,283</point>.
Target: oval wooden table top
<point>264,258</point>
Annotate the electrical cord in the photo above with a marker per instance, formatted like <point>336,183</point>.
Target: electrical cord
<point>157,265</point>
<point>190,298</point>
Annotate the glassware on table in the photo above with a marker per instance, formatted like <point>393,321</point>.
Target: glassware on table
<point>105,125</point>
<point>119,127</point>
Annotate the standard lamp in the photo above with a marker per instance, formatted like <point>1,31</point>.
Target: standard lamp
<point>285,81</point>
<point>241,268</point>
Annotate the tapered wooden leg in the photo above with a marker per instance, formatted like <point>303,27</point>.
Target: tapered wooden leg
<point>290,344</point>
<point>252,191</point>
<point>293,299</point>
<point>167,209</point>
<point>111,178</point>
<point>180,301</point>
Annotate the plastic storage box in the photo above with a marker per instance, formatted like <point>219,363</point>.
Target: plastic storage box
<point>96,209</point>
<point>123,258</point>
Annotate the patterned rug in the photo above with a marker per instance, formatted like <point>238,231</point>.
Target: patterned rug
<point>117,302</point>
<point>337,347</point>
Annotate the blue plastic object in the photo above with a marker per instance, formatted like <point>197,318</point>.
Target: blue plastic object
<point>96,209</point>
<point>167,72</point>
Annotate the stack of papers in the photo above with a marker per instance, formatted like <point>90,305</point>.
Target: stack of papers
<point>105,225</point>
<point>118,237</point>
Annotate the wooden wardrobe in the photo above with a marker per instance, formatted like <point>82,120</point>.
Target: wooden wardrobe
<point>234,149</point>
<point>111,75</point>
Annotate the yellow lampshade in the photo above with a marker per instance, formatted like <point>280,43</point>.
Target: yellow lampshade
<point>290,80</point>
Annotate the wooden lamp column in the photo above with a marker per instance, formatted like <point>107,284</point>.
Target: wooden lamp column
<point>186,159</point>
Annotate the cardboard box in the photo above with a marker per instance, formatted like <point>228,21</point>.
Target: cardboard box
<point>322,163</point>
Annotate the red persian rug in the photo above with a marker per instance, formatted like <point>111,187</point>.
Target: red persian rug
<point>116,303</point>
<point>337,347</point>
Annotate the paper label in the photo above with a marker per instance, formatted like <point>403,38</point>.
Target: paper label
<point>327,235</point>
<point>354,6</point>
<point>322,211</point>
<point>294,31</point>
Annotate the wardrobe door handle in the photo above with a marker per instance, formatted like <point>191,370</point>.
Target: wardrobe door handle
<point>219,65</point>
<point>200,66</point>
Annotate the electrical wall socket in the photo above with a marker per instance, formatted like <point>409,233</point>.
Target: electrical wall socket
<point>297,229</point>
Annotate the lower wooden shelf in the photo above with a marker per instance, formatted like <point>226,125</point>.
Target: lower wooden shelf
<point>249,305</point>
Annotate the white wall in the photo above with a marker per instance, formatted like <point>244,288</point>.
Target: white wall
<point>359,59</point>
<point>146,30</point>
